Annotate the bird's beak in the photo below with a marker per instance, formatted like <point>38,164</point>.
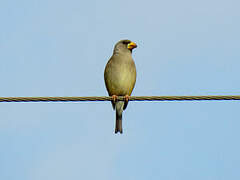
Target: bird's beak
<point>131,45</point>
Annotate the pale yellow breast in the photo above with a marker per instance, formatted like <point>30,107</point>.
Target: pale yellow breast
<point>120,77</point>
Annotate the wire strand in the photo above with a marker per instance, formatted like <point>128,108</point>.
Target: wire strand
<point>120,98</point>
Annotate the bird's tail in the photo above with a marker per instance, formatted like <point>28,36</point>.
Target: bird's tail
<point>119,110</point>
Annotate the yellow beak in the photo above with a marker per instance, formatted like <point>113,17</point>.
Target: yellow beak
<point>132,45</point>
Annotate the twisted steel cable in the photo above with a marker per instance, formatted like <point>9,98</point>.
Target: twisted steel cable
<point>120,98</point>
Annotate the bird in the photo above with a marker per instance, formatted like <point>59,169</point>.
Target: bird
<point>120,77</point>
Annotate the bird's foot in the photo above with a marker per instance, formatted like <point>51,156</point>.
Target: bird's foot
<point>114,98</point>
<point>126,98</point>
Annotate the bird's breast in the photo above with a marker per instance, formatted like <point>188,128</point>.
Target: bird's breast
<point>120,77</point>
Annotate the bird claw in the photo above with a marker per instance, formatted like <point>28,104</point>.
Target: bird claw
<point>114,98</point>
<point>126,98</point>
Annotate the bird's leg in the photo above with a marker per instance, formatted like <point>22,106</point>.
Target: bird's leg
<point>114,98</point>
<point>113,101</point>
<point>126,99</point>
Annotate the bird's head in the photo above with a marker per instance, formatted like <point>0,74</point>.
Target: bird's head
<point>124,46</point>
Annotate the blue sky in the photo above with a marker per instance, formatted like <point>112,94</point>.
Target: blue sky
<point>60,48</point>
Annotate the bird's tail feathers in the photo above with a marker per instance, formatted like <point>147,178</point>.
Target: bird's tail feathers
<point>119,110</point>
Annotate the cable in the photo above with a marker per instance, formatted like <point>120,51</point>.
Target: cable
<point>120,98</point>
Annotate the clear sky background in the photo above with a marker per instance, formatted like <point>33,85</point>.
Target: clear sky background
<point>60,48</point>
